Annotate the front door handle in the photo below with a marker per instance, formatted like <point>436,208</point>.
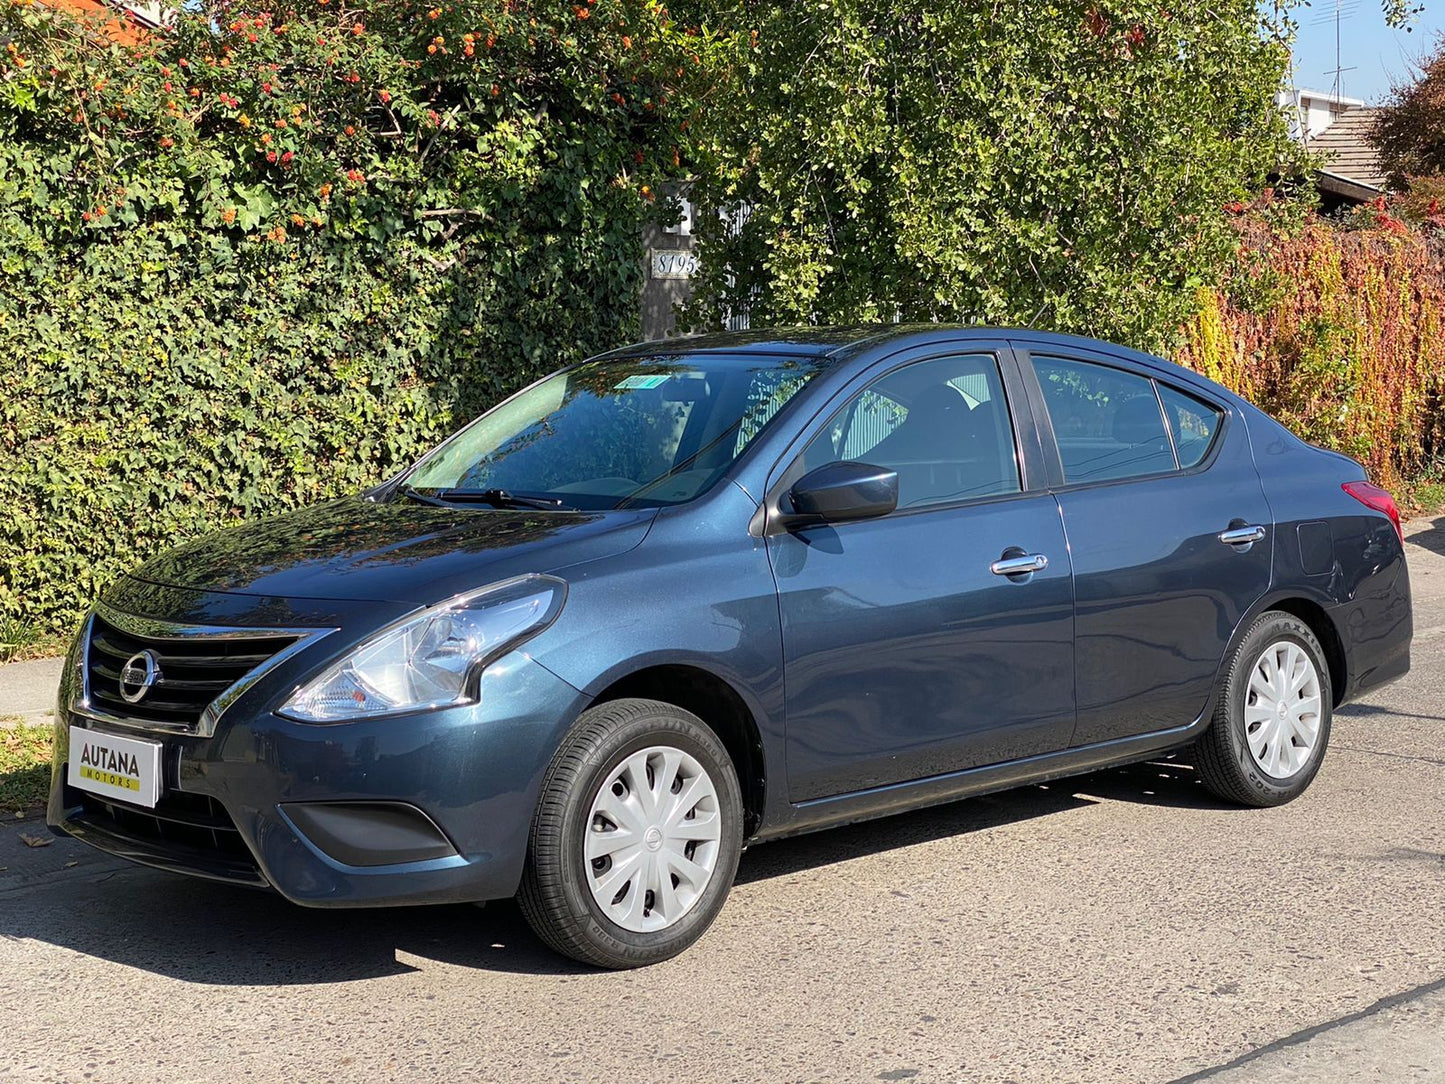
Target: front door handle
<point>1242,536</point>
<point>1019,566</point>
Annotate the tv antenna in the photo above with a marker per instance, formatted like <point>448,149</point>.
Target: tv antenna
<point>1344,9</point>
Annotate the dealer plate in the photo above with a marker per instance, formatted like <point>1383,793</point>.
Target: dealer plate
<point>116,767</point>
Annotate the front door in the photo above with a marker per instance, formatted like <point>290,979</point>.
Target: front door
<point>909,650</point>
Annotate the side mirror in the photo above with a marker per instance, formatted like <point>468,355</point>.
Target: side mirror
<point>838,492</point>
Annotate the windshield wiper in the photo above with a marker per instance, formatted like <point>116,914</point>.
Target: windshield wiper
<point>497,498</point>
<point>418,495</point>
<point>500,498</point>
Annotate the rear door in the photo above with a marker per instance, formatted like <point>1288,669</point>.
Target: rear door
<point>907,653</point>
<point>1168,528</point>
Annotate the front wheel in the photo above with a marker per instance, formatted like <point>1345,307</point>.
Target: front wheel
<point>1272,722</point>
<point>636,837</point>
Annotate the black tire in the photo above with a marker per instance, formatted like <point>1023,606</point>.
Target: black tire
<point>1222,753</point>
<point>555,895</point>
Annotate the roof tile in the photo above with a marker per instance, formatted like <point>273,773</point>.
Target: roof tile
<point>1346,149</point>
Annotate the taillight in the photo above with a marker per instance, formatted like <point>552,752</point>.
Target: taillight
<point>1372,496</point>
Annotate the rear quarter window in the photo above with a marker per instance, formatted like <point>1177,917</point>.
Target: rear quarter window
<point>1193,424</point>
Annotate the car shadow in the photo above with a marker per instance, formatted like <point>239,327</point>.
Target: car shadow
<point>1369,711</point>
<point>1161,783</point>
<point>1171,782</point>
<point>1431,538</point>
<point>200,932</point>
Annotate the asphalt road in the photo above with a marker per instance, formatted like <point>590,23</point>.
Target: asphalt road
<point>1118,927</point>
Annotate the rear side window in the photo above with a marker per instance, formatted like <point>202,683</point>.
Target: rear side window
<point>1107,422</point>
<point>1192,423</point>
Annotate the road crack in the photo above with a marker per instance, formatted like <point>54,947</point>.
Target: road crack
<point>1307,1034</point>
<point>1397,756</point>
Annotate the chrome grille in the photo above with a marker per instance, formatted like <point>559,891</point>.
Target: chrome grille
<point>196,666</point>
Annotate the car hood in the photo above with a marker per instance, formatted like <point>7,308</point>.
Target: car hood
<point>405,552</point>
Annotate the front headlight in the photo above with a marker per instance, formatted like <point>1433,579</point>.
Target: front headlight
<point>432,659</point>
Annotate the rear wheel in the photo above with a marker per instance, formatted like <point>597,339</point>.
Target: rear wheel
<point>1272,722</point>
<point>636,837</point>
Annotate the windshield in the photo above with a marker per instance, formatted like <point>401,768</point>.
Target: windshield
<point>639,431</point>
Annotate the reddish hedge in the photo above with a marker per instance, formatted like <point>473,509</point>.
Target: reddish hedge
<point>1338,329</point>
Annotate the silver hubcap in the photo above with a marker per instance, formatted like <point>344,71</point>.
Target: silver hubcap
<point>652,839</point>
<point>1282,709</point>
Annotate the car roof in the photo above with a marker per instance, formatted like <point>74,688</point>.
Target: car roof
<point>813,341</point>
<point>844,343</point>
<point>847,340</point>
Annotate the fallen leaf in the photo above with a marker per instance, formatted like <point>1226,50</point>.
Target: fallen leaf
<point>35,841</point>
<point>68,865</point>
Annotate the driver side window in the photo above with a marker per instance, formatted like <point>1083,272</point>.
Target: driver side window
<point>941,424</point>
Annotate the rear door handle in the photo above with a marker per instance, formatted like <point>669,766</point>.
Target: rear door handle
<point>1241,536</point>
<point>1018,566</point>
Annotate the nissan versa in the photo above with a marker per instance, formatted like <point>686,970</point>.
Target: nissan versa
<point>694,595</point>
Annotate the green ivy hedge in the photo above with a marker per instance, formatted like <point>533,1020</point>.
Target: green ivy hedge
<point>269,256</point>
<point>147,403</point>
<point>1061,165</point>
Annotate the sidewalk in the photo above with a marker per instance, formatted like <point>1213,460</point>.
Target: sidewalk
<point>27,689</point>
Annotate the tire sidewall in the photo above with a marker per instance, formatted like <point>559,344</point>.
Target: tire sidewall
<point>1271,629</point>
<point>667,726</point>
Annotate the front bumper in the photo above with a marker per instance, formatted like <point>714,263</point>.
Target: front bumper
<point>234,803</point>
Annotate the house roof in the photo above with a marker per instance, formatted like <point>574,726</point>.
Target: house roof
<point>124,21</point>
<point>106,18</point>
<point>1346,150</point>
<point>1329,96</point>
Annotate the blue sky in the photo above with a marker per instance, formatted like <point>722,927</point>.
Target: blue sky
<point>1378,54</point>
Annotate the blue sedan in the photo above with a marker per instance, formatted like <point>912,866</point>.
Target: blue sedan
<point>694,595</point>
